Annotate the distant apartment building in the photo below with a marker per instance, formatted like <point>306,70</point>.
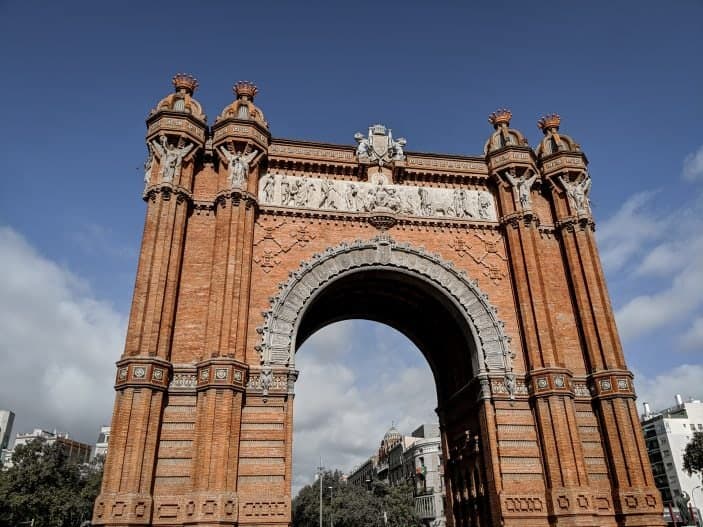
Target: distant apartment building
<point>666,434</point>
<point>415,459</point>
<point>102,443</point>
<point>7,418</point>
<point>75,450</point>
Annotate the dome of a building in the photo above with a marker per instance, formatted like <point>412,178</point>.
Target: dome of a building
<point>182,100</point>
<point>243,107</point>
<point>554,142</point>
<point>392,436</point>
<point>503,135</point>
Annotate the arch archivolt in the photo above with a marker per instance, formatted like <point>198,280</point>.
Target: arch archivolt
<point>281,321</point>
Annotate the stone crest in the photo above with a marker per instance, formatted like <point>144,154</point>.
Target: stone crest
<point>379,147</point>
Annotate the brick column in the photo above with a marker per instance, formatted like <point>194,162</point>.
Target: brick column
<point>144,371</point>
<point>635,497</point>
<point>552,399</point>
<point>224,371</point>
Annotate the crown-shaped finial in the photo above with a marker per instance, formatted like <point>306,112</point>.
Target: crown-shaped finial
<point>185,82</point>
<point>549,122</point>
<point>500,116</point>
<point>245,89</point>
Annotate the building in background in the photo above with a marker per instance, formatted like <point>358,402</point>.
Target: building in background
<point>102,443</point>
<point>76,451</point>
<point>416,460</point>
<point>666,435</point>
<point>7,418</point>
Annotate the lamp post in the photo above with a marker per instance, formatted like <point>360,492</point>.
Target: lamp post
<point>695,507</point>
<point>331,509</point>
<point>320,476</point>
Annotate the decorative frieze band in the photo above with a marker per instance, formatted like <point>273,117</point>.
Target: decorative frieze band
<point>142,371</point>
<point>165,123</point>
<point>275,381</point>
<point>280,190</point>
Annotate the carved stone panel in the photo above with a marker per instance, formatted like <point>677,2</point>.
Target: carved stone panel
<point>348,196</point>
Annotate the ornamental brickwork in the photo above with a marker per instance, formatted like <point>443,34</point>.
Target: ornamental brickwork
<point>488,263</point>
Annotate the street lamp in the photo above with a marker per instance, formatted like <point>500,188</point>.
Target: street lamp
<point>320,476</point>
<point>331,509</point>
<point>693,491</point>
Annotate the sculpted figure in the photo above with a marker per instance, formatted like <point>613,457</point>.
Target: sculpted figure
<point>425,202</point>
<point>299,193</point>
<point>398,153</point>
<point>148,165</point>
<point>484,206</point>
<point>285,191</point>
<point>577,192</point>
<point>171,157</point>
<point>267,186</point>
<point>351,196</point>
<point>327,190</point>
<point>522,185</point>
<point>238,163</point>
<point>363,147</point>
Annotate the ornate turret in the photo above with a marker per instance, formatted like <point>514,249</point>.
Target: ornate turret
<point>503,135</point>
<point>243,107</point>
<point>176,131</point>
<point>554,142</point>
<point>182,100</point>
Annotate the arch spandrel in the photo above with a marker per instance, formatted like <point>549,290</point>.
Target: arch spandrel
<point>279,332</point>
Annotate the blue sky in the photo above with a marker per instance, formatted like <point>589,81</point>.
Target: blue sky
<point>80,77</point>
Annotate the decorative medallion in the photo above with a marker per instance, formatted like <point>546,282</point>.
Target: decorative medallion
<point>205,375</point>
<point>139,372</point>
<point>606,385</point>
<point>559,381</point>
<point>157,374</point>
<point>623,384</point>
<point>221,373</point>
<point>122,374</point>
<point>542,383</point>
<point>237,375</point>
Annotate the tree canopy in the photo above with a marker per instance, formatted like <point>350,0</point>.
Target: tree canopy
<point>693,456</point>
<point>350,506</point>
<point>44,486</point>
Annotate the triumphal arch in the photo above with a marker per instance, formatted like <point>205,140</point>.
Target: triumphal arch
<point>488,263</point>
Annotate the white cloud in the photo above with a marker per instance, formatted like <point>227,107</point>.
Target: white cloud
<point>660,256</point>
<point>693,165</point>
<point>659,391</point>
<point>693,338</point>
<point>343,408</point>
<point>59,344</point>
<point>622,236</point>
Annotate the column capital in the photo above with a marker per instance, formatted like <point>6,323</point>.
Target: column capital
<point>222,372</point>
<point>138,372</point>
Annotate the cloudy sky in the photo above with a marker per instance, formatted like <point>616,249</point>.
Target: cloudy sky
<point>80,77</point>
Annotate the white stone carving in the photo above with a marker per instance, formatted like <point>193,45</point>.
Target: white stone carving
<point>183,380</point>
<point>346,196</point>
<point>148,165</point>
<point>379,147</point>
<point>170,157</point>
<point>577,192</point>
<point>238,165</point>
<point>522,186</point>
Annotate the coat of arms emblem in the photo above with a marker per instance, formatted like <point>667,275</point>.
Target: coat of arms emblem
<point>379,147</point>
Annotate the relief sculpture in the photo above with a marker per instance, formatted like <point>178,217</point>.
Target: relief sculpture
<point>346,196</point>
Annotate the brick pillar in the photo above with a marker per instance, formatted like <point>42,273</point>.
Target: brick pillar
<point>635,497</point>
<point>552,399</point>
<point>144,370</point>
<point>223,372</point>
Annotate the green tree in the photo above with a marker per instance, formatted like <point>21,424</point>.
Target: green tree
<point>44,486</point>
<point>351,506</point>
<point>693,456</point>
